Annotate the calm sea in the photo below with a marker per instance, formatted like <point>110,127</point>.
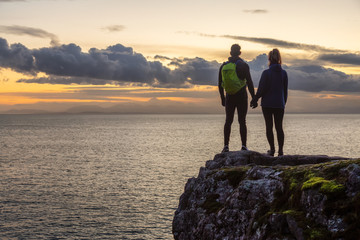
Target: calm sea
<point>120,176</point>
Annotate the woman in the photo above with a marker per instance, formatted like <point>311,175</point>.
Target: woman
<point>273,91</point>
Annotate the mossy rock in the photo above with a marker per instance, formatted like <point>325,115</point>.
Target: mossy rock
<point>318,233</point>
<point>211,205</point>
<point>234,175</point>
<point>326,186</point>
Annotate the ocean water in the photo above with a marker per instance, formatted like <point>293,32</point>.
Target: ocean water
<point>121,176</point>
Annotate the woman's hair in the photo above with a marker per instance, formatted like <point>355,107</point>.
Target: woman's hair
<point>274,56</point>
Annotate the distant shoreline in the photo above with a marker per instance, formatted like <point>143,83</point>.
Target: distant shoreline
<point>145,113</point>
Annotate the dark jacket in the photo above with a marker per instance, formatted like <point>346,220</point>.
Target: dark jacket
<point>243,71</point>
<point>273,87</point>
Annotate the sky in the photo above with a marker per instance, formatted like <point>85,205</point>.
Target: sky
<point>163,56</point>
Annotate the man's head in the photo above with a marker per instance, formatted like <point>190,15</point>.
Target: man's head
<point>235,50</point>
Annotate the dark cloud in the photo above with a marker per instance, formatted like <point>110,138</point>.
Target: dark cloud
<point>66,80</point>
<point>34,32</point>
<point>272,42</point>
<point>309,78</point>
<point>198,71</point>
<point>67,64</point>
<point>16,57</point>
<point>255,11</point>
<point>346,58</point>
<point>114,28</point>
<point>116,63</point>
<point>314,78</point>
<point>259,63</point>
<point>161,57</point>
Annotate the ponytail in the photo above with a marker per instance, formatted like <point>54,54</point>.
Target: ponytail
<point>274,56</point>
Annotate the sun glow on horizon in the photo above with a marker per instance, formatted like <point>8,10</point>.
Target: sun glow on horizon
<point>114,57</point>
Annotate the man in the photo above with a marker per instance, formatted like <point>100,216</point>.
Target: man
<point>234,76</point>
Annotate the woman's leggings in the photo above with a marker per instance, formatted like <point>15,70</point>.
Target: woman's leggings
<point>274,115</point>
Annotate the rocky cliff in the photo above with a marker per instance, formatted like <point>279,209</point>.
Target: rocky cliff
<point>248,195</point>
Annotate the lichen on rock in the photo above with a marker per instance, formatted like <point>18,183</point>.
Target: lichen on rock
<point>248,195</point>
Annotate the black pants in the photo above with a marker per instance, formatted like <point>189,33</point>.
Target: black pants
<point>274,115</point>
<point>239,101</point>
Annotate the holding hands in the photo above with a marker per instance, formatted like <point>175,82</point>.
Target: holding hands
<point>254,103</point>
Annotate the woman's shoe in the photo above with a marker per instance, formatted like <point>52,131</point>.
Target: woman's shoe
<point>271,152</point>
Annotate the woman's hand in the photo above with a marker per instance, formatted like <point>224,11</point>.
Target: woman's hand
<point>254,103</point>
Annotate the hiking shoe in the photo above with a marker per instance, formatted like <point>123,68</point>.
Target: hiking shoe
<point>225,149</point>
<point>281,154</point>
<point>244,148</point>
<point>271,152</point>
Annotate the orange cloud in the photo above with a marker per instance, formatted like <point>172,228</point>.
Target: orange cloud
<point>183,99</point>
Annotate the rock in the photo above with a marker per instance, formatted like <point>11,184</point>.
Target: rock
<point>248,195</point>
<point>294,228</point>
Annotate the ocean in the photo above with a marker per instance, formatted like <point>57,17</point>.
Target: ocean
<point>121,176</point>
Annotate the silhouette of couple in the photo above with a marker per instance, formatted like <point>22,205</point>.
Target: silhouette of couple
<point>234,76</point>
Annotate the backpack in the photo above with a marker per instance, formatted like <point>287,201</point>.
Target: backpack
<point>230,80</point>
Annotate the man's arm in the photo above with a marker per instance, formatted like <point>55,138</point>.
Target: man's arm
<point>249,82</point>
<point>221,89</point>
<point>243,71</point>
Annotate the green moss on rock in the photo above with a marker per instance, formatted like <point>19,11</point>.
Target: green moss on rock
<point>331,187</point>
<point>327,179</point>
<point>313,182</point>
<point>310,201</point>
<point>326,186</point>
<point>318,233</point>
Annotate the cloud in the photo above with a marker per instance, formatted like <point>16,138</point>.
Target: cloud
<point>299,102</point>
<point>272,42</point>
<point>117,64</point>
<point>309,78</point>
<point>114,28</point>
<point>161,57</point>
<point>16,57</point>
<point>255,11</point>
<point>66,80</point>
<point>314,78</point>
<point>34,32</point>
<point>12,1</point>
<point>346,58</point>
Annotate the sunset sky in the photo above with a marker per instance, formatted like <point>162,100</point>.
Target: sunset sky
<point>156,56</point>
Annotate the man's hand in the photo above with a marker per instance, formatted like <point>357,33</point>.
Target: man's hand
<point>253,103</point>
<point>223,102</point>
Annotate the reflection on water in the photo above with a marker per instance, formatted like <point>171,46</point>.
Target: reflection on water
<point>120,176</point>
